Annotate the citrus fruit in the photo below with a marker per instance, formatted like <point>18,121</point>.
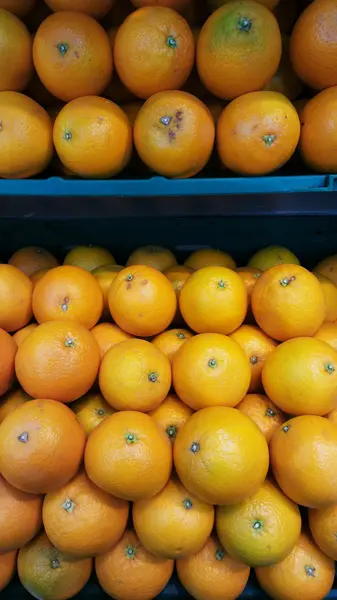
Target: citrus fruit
<point>42,445</point>
<point>21,334</point>
<point>174,134</point>
<point>323,524</point>
<point>108,335</point>
<point>209,257</point>
<point>285,80</point>
<point>170,415</point>
<point>329,290</point>
<point>265,414</point>
<point>221,456</point>
<point>271,4</point>
<point>32,259</point>
<point>94,8</point>
<point>8,350</point>
<point>89,257</point>
<point>296,451</point>
<point>328,267</point>
<point>142,301</point>
<point>332,416</point>
<point>327,333</point>
<point>15,298</point>
<point>210,369</point>
<point>257,346</point>
<point>91,410</point>
<point>288,302</point>
<point>105,276</point>
<point>11,401</point>
<point>249,276</point>
<point>156,257</point>
<point>16,61</point>
<point>7,568</point>
<point>18,7</point>
<point>177,275</point>
<point>170,341</point>
<point>268,257</point>
<point>131,110</point>
<point>318,137</point>
<point>129,456</point>
<point>179,5</point>
<point>35,278</point>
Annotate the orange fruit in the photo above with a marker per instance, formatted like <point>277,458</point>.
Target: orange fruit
<point>89,257</point>
<point>305,574</point>
<point>239,49</point>
<point>72,55</point>
<point>8,350</point>
<point>32,259</point>
<point>16,60</point>
<point>38,275</point>
<point>210,369</point>
<point>214,300</point>
<point>7,568</point>
<point>179,5</point>
<point>18,7</point>
<point>68,293</point>
<point>129,571</point>
<point>129,456</point>
<point>285,80</point>
<point>328,267</point>
<point>131,110</point>
<point>288,302</point>
<point>91,410</point>
<point>265,414</point>
<point>177,275</point>
<point>257,346</point>
<point>221,456</point>
<point>170,341</point>
<point>296,451</point>
<point>209,257</point>
<point>271,4</point>
<point>263,126</point>
<point>15,298</point>
<point>174,523</point>
<point>329,290</point>
<point>156,257</point>
<point>332,416</point>
<point>11,401</point>
<point>327,333</point>
<point>26,152</point>
<point>154,51</point>
<point>42,445</point>
<point>268,257</point>
<point>135,375</point>
<point>45,572</point>
<point>170,415</point>
<point>94,8</point>
<point>108,335</point>
<point>174,134</point>
<point>215,107</point>
<point>319,119</point>
<point>212,574</point>
<point>20,517</point>
<point>255,535</point>
<point>21,334</point>
<point>105,276</point>
<point>249,276</point>
<point>142,301</point>
<point>323,523</point>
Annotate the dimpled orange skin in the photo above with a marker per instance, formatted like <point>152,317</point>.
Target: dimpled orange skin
<point>129,456</point>
<point>257,346</point>
<point>11,401</point>
<point>318,133</point>
<point>142,301</point>
<point>328,267</point>
<point>329,290</point>
<point>171,415</point>
<point>327,333</point>
<point>15,298</point>
<point>54,449</point>
<point>7,568</point>
<point>303,453</point>
<point>288,302</point>
<point>156,257</point>
<point>170,341</point>
<point>94,8</point>
<point>108,335</point>
<point>265,414</point>
<point>16,59</point>
<point>8,350</point>
<point>32,259</point>
<point>174,134</point>
<point>323,524</point>
<point>209,257</point>
<point>210,369</point>
<point>221,456</point>
<point>91,410</point>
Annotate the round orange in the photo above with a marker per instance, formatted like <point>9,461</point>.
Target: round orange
<point>15,298</point>
<point>285,80</point>
<point>323,524</point>
<point>11,401</point>
<point>332,416</point>
<point>89,257</point>
<point>16,60</point>
<point>105,276</point>
<point>327,333</point>
<point>108,335</point>
<point>270,256</point>
<point>170,415</point>
<point>32,259</point>
<point>38,275</point>
<point>257,346</point>
<point>265,414</point>
<point>7,568</point>
<point>18,7</point>
<point>178,275</point>
<point>328,267</point>
<point>318,136</point>
<point>91,410</point>
<point>8,350</point>
<point>271,4</point>
<point>156,257</point>
<point>21,334</point>
<point>249,276</point>
<point>178,5</point>
<point>329,290</point>
<point>170,341</point>
<point>209,257</point>
<point>94,8</point>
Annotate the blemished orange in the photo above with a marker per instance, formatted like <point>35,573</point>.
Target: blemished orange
<point>323,524</point>
<point>94,8</point>
<point>209,257</point>
<point>296,451</point>
<point>129,571</point>
<point>258,133</point>
<point>32,259</point>
<point>89,257</point>
<point>327,333</point>
<point>329,290</point>
<point>210,369</point>
<point>135,375</point>
<point>154,51</point>
<point>15,298</point>
<point>45,572</point>
<point>178,5</point>
<point>58,360</point>
<point>270,256</point>
<point>11,401</point>
<point>21,334</point>
<point>212,574</point>
<point>156,257</point>
<point>318,136</point>
<point>305,574</point>
<point>265,414</point>
<point>288,302</point>
<point>8,350</point>
<point>7,568</point>
<point>221,456</point>
<point>20,516</point>
<point>129,456</point>
<point>69,294</point>
<point>300,377</point>
<point>85,142</point>
<point>108,335</point>
<point>42,446</point>
<point>91,410</point>
<point>285,80</point>
<point>254,534</point>
<point>257,346</point>
<point>105,276</point>
<point>239,49</point>
<point>328,267</point>
<point>16,60</point>
<point>27,151</point>
<point>18,7</point>
<point>173,524</point>
<point>214,300</point>
<point>170,341</point>
<point>174,134</point>
<point>83,521</point>
<point>142,301</point>
<point>170,415</point>
<point>72,55</point>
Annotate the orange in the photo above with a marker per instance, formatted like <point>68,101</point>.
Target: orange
<point>156,257</point>
<point>38,275</point>
<point>11,401</point>
<point>254,534</point>
<point>174,523</point>
<point>239,49</point>
<point>257,346</point>
<point>265,414</point>
<point>212,574</point>
<point>8,350</point>
<point>323,523</point>
<point>21,335</point>
<point>249,276</point>
<point>174,134</point>
<point>42,445</point>
<point>318,137</point>
<point>328,333</point>
<point>209,257</point>
<point>7,568</point>
<point>215,107</point>
<point>16,61</point>
<point>170,415</point>
<point>332,416</point>
<point>129,571</point>
<point>116,90</point>
<point>68,293</point>
<point>285,80</point>
<point>131,110</point>
<point>296,452</point>
<point>154,51</point>
<point>129,456</point>
<point>135,375</point>
<point>108,335</point>
<point>177,275</point>
<point>142,301</point>
<point>214,300</point>
<point>179,5</point>
<point>45,572</point>
<point>105,276</point>
<point>328,267</point>
<point>72,55</point>
<point>258,133</point>
<point>91,410</point>
<point>170,341</point>
<point>18,7</point>
<point>21,516</point>
<point>27,151</point>
<point>268,257</point>
<point>32,259</point>
<point>86,144</point>
<point>221,456</point>
<point>210,369</point>
<point>329,290</point>
<point>89,257</point>
<point>288,302</point>
<point>15,298</point>
<point>271,4</point>
<point>305,574</point>
<point>95,8</point>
